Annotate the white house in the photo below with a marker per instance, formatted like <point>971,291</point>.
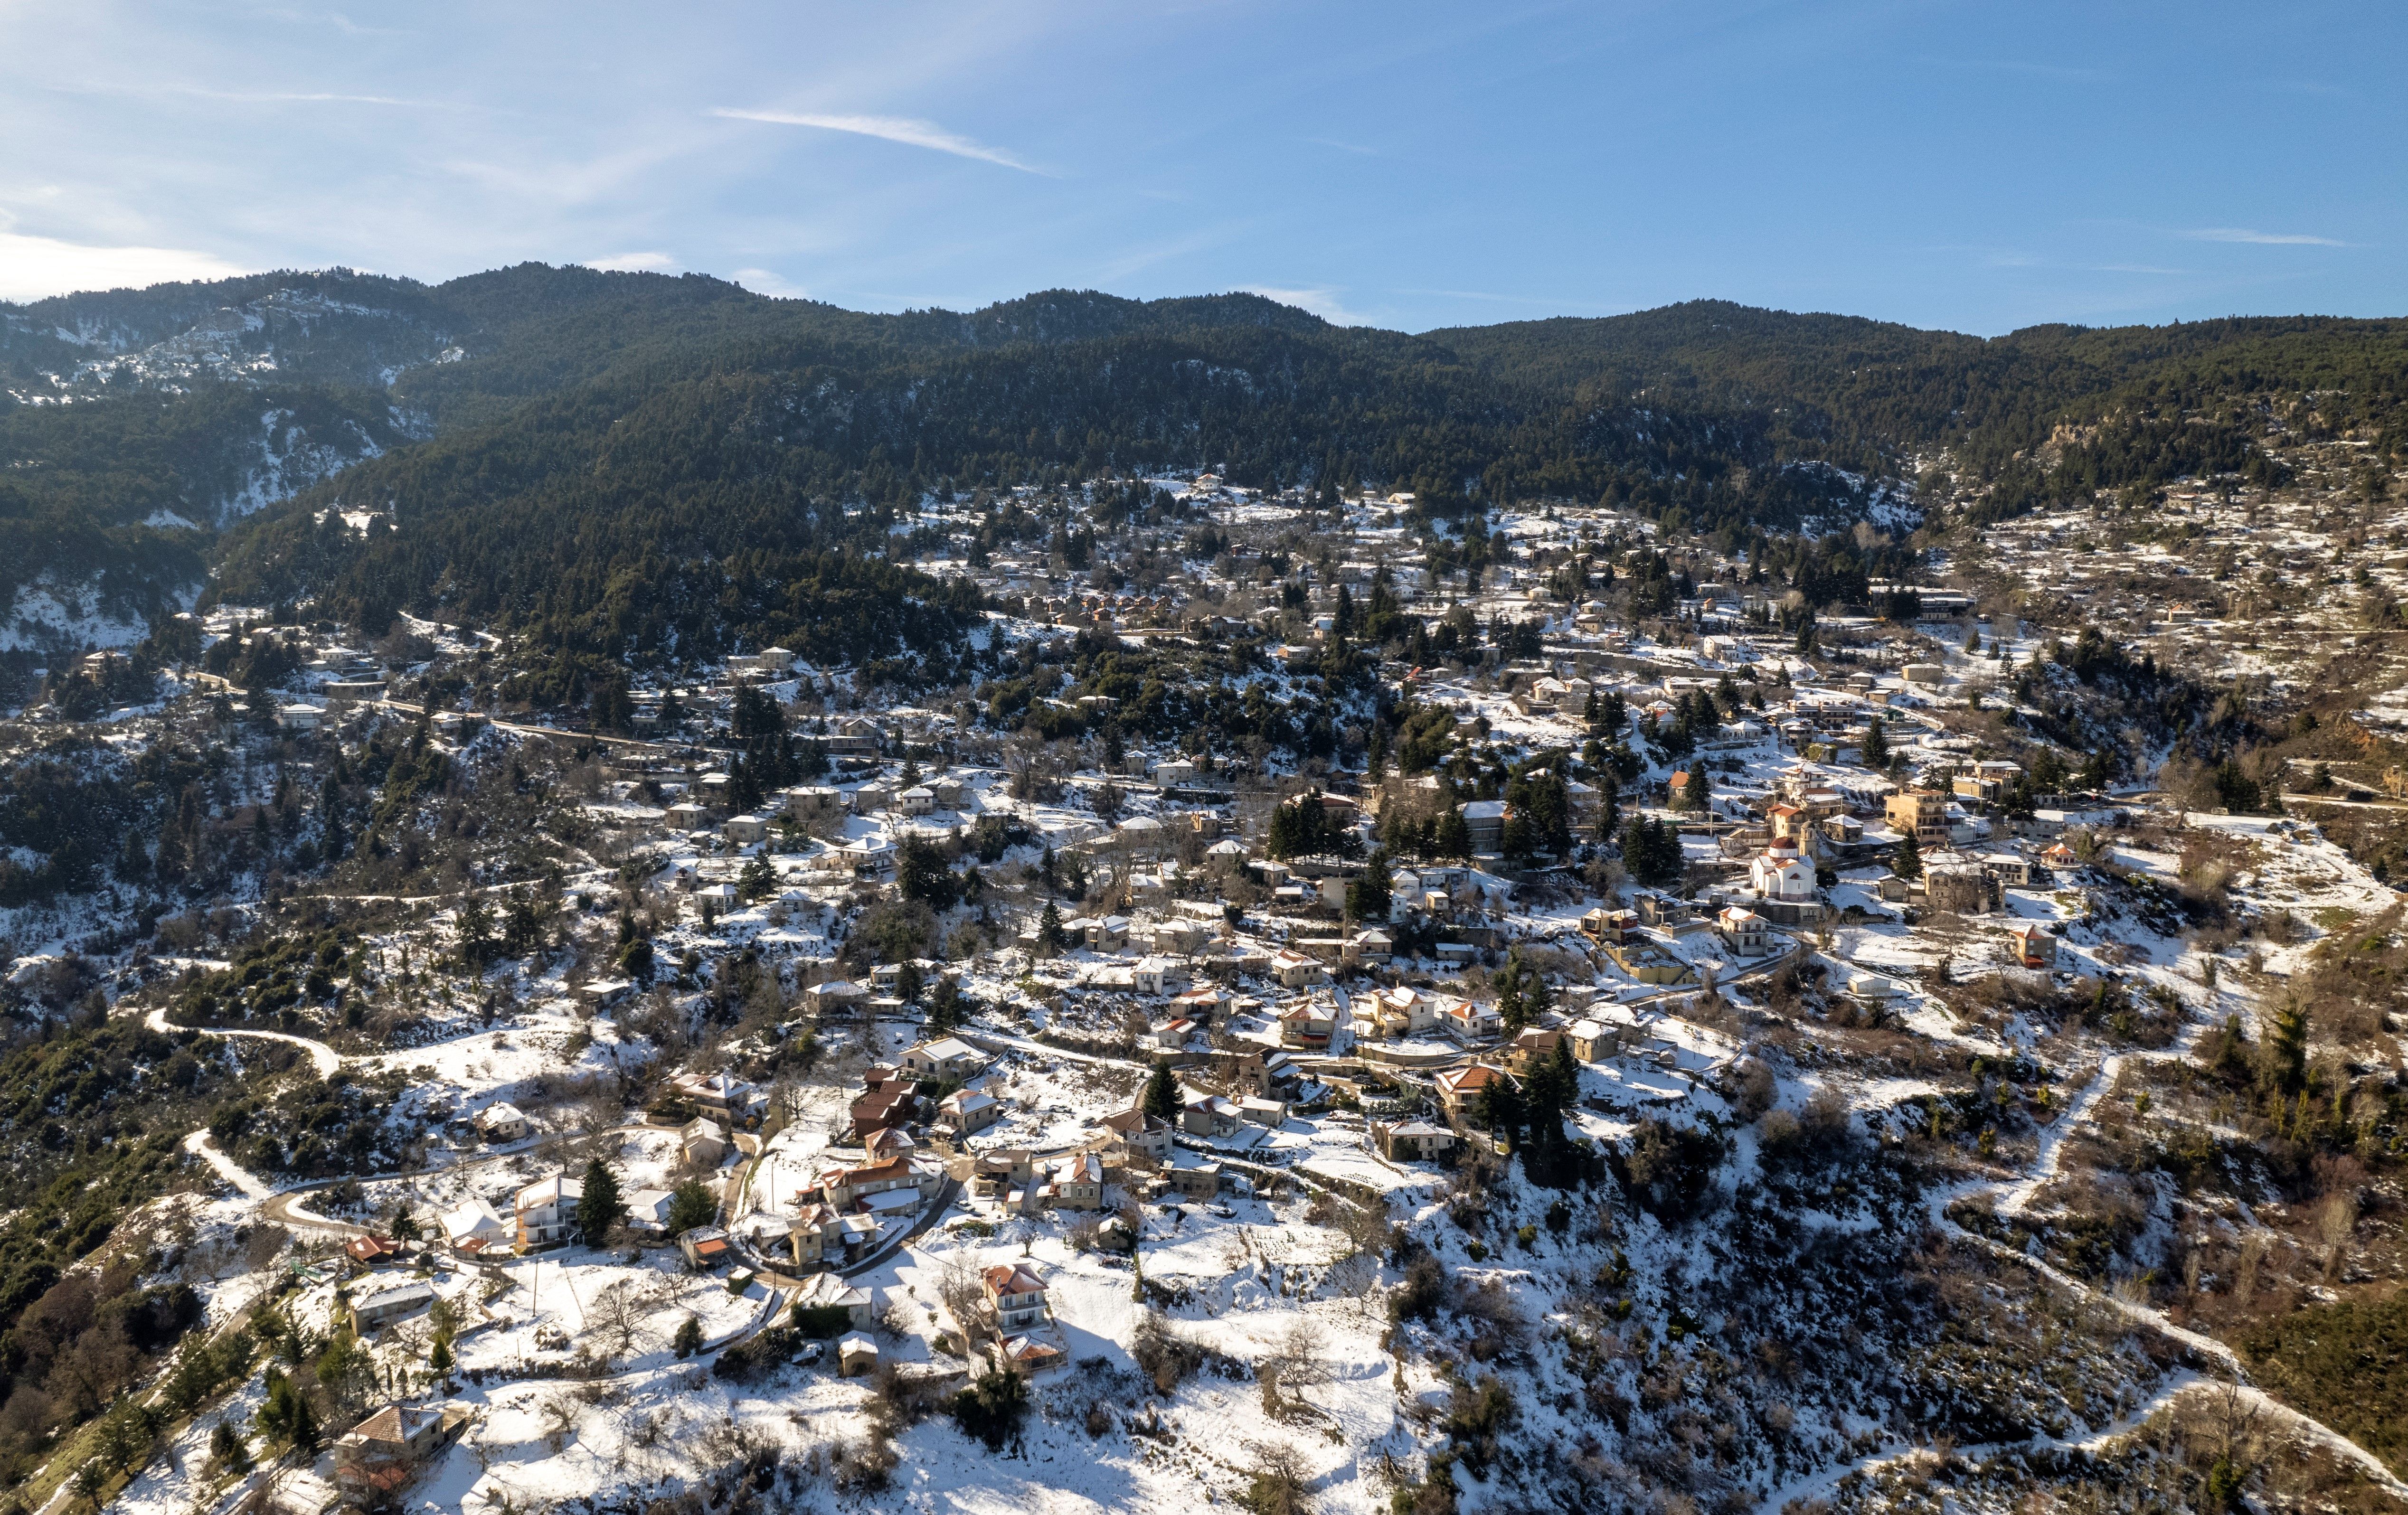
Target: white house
<point>1473,1020</point>
<point>948,1057</point>
<point>1741,930</point>
<point>1781,877</point>
<point>501,1122</point>
<point>828,1290</point>
<point>547,1211</point>
<point>1151,975</point>
<point>472,1227</point>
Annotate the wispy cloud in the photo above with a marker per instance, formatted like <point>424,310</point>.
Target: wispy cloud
<point>770,282</point>
<point>31,267</point>
<point>2244,234</point>
<point>1323,303</point>
<point>335,19</point>
<point>257,98</point>
<point>633,262</point>
<point>903,129</point>
<point>1356,147</point>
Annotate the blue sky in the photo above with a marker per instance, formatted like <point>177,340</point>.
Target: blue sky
<point>1979,166</point>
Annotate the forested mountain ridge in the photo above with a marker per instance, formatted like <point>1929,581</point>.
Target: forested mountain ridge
<point>536,429</point>
<point>627,515</point>
<point>1854,383</point>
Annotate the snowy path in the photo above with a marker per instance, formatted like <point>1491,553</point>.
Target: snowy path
<point>327,1059</point>
<point>2015,1197</point>
<point>201,1145</point>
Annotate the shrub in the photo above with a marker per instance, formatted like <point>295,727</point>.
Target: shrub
<point>754,1358</point>
<point>1165,1356</point>
<point>1668,1169</point>
<point>1423,1290</point>
<point>991,1408</point>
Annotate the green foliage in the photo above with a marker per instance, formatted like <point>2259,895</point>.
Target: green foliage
<point>688,1340</point>
<point>1906,858</point>
<point>286,1416</point>
<point>600,1207</point>
<point>690,1204</point>
<point>1161,1097</point>
<point>1668,1169</point>
<point>2283,1066</point>
<point>1651,850</point>
<point>991,1408</point>
<point>821,1323</point>
<point>1301,827</point>
<point>1368,897</point>
<point>229,1449</point>
<point>923,874</point>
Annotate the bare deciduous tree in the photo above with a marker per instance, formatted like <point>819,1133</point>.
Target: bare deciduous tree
<point>963,1295</point>
<point>624,1309</point>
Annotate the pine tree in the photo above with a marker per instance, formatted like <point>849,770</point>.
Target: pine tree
<point>1453,835</point>
<point>1050,940</point>
<point>600,1207</point>
<point>1906,859</point>
<point>2284,1067</point>
<point>1368,897</point>
<point>1876,744</point>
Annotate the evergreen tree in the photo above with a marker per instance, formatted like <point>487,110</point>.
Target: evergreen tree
<point>1501,1110</point>
<point>1876,744</point>
<point>1161,1099</point>
<point>1368,897</point>
<point>2284,1067</point>
<point>690,1204</point>
<point>600,1207</point>
<point>1453,837</point>
<point>689,1337</point>
<point>229,1449</point>
<point>1050,940</point>
<point>1906,858</point>
<point>1650,852</point>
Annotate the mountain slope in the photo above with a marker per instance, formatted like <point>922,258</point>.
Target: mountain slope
<point>536,429</point>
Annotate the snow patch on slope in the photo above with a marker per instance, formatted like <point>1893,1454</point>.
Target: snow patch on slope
<point>292,458</point>
<point>46,614</point>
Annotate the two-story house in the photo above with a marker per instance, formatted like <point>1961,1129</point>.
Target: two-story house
<point>547,1211</point>
<point>1015,1298</point>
